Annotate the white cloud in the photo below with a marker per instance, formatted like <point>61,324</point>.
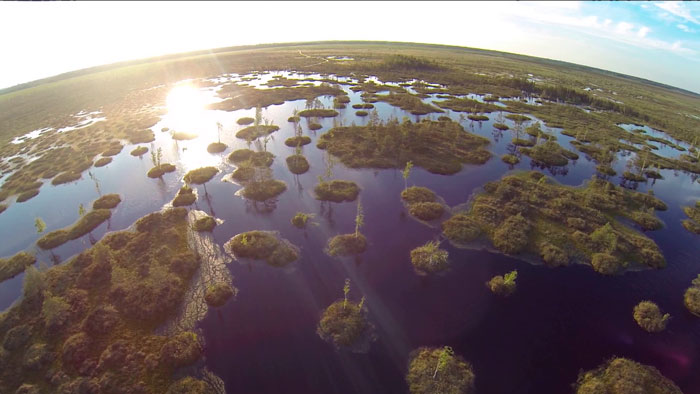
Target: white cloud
<point>643,31</point>
<point>678,9</point>
<point>624,27</point>
<point>685,28</point>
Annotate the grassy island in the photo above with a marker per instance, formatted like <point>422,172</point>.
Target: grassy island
<point>206,223</point>
<point>439,147</point>
<point>315,126</point>
<point>347,244</point>
<point>263,190</point>
<point>500,126</point>
<point>84,225</point>
<point>691,298</point>
<point>96,315</point>
<point>503,285</point>
<point>620,375</point>
<point>139,151</point>
<point>297,141</point>
<point>15,265</point>
<point>160,170</point>
<point>648,315</point>
<point>247,157</point>
<point>246,120</point>
<point>529,213</point>
<point>217,294</point>
<point>185,196</point>
<point>478,118</point>
<point>439,370</point>
<point>692,224</point>
<point>184,136</point>
<point>65,177</point>
<point>422,203</point>
<point>201,175</point>
<point>250,133</point>
<point>550,153</point>
<point>108,201</point>
<point>263,245</point>
<point>344,324</point>
<point>429,258</point>
<point>103,161</point>
<point>297,164</point>
<point>28,195</point>
<point>318,113</point>
<point>510,159</point>
<point>361,113</point>
<point>216,147</point>
<point>337,191</point>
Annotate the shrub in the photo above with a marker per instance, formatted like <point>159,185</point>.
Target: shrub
<point>648,315</point>
<point>188,385</point>
<point>301,219</point>
<point>159,171</point>
<point>318,113</point>
<point>503,285</point>
<point>252,132</point>
<point>84,225</point>
<point>605,263</point>
<point>552,255</point>
<point>500,126</point>
<point>182,350</point>
<point>512,235</point>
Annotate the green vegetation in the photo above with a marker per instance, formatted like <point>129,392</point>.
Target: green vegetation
<point>409,63</point>
<point>692,224</point>
<point>314,126</point>
<point>185,196</point>
<point>246,120</point>
<point>518,118</point>
<point>500,126</point>
<point>100,307</point>
<point>361,113</point>
<point>139,151</point>
<point>318,113</point>
<point>347,244</point>
<point>439,370</point>
<point>103,161</point>
<point>439,147</point>
<point>478,118</point>
<point>251,133</point>
<point>510,159</point>
<point>429,258</point>
<point>528,213</point>
<point>83,226</point>
<point>108,201</point>
<point>201,175</point>
<point>244,97</point>
<point>217,294</point>
<point>422,203</point>
<point>503,285</point>
<point>216,147</point>
<point>159,171</point>
<point>363,106</point>
<point>467,105</point>
<point>29,194</point>
<point>243,174</point>
<point>417,194</point>
<point>301,219</point>
<point>15,265</point>
<point>247,157</point>
<point>620,375</point>
<point>408,102</point>
<point>263,245</point>
<point>297,141</point>
<point>65,177</point>
<point>206,223</point>
<point>344,324</point>
<point>648,315</point>
<point>297,164</point>
<point>337,191</point>
<point>691,298</point>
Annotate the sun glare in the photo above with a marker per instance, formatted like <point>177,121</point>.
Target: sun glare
<point>185,100</point>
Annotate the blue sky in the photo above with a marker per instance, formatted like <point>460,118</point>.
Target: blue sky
<point>659,41</point>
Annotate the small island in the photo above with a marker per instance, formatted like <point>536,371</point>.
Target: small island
<point>206,223</point>
<point>439,370</point>
<point>629,375</point>
<point>422,203</point>
<point>649,317</point>
<point>337,191</point>
<point>503,285</point>
<point>185,196</point>
<point>692,224</point>
<point>344,323</point>
<point>217,294</point>
<point>263,245</point>
<point>429,258</point>
<point>691,298</point>
<point>15,265</point>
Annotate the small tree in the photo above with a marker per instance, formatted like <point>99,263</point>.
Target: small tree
<point>509,278</point>
<point>406,173</point>
<point>219,127</point>
<point>446,356</point>
<point>362,302</point>
<point>346,290</point>
<point>81,210</point>
<point>359,218</point>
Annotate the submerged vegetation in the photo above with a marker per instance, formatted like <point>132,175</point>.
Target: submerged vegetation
<point>439,370</point>
<point>620,375</point>
<point>263,245</point>
<point>439,147</point>
<point>528,213</point>
<point>648,315</point>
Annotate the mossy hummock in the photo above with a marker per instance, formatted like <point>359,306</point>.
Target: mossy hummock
<point>344,324</point>
<point>439,370</point>
<point>621,375</point>
<point>337,191</point>
<point>263,245</point>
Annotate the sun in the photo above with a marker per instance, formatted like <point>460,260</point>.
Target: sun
<point>185,100</point>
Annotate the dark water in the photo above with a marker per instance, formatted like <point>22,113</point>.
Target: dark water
<point>558,322</point>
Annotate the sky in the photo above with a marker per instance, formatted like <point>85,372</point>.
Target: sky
<point>659,41</point>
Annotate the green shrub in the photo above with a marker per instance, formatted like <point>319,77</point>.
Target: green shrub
<point>503,285</point>
<point>297,164</point>
<point>648,315</point>
<point>511,236</point>
<point>297,141</point>
<point>185,196</point>
<point>510,159</point>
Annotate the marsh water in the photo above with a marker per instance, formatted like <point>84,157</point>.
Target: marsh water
<point>558,322</point>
